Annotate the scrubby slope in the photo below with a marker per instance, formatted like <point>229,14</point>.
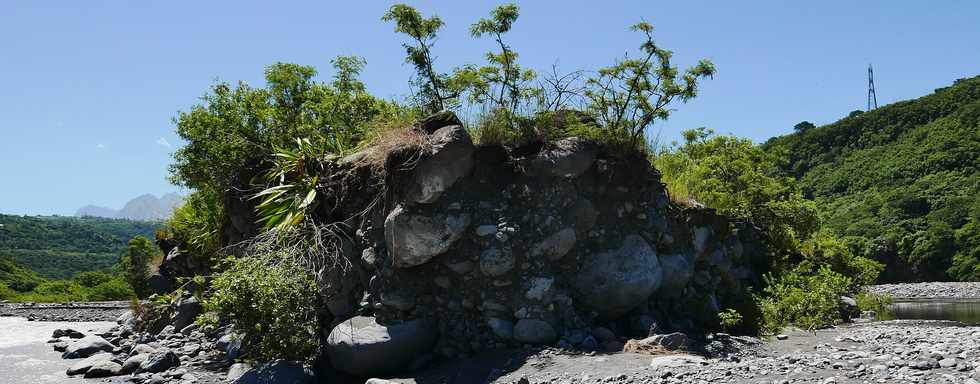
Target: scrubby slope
<point>903,181</point>
<point>58,247</point>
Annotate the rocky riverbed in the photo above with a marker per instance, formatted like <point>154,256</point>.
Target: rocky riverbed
<point>92,311</point>
<point>947,290</point>
<point>880,352</point>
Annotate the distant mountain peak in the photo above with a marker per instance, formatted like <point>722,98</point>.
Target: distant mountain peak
<point>143,207</point>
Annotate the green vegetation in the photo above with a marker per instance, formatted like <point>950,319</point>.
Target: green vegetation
<point>879,303</point>
<point>729,319</point>
<point>59,247</point>
<point>901,183</point>
<point>135,264</point>
<point>810,267</point>
<point>808,298</point>
<point>273,301</point>
<point>18,283</point>
<point>53,258</point>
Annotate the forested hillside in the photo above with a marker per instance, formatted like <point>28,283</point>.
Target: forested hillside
<point>58,247</point>
<point>901,183</point>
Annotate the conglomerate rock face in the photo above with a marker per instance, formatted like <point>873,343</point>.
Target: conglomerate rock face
<point>495,251</point>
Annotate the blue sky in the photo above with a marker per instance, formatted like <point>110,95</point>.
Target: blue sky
<point>89,87</point>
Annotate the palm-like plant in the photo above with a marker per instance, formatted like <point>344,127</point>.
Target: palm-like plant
<point>292,185</point>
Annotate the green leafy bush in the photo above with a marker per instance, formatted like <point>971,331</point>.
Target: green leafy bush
<point>729,319</point>
<point>808,299</point>
<point>135,263</point>
<point>879,303</point>
<point>272,301</point>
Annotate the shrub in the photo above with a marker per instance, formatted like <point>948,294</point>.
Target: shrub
<point>802,297</point>
<point>272,302</point>
<point>879,303</point>
<point>114,289</point>
<point>136,263</point>
<point>729,319</point>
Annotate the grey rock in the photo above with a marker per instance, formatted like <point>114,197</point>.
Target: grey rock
<point>159,361</point>
<point>677,272</point>
<point>160,284</point>
<point>277,372</point>
<point>486,230</point>
<point>103,368</point>
<point>924,364</point>
<point>450,159</point>
<point>237,370</point>
<point>494,262</point>
<point>127,318</point>
<point>947,362</point>
<point>379,381</point>
<point>400,300</point>
<point>415,239</point>
<point>570,158</point>
<point>539,289</point>
<point>613,282</point>
<point>187,310</point>
<point>555,246</point>
<point>534,331</point>
<point>462,267</point>
<point>84,365</point>
<point>503,329</point>
<point>67,332</point>
<point>361,346</point>
<point>603,334</point>
<point>781,337</point>
<point>132,364</point>
<point>60,346</point>
<point>670,341</point>
<point>87,346</point>
<point>230,344</point>
<point>142,349</point>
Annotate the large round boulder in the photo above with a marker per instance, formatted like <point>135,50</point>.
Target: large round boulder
<point>277,372</point>
<point>613,282</point>
<point>360,346</point>
<point>159,361</point>
<point>86,346</point>
<point>450,159</point>
<point>677,272</point>
<point>570,157</point>
<point>86,364</point>
<point>415,239</point>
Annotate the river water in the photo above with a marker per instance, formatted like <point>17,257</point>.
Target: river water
<point>25,356</point>
<point>965,311</point>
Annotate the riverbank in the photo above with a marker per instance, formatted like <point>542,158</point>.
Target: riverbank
<point>930,290</point>
<point>79,311</point>
<point>883,352</point>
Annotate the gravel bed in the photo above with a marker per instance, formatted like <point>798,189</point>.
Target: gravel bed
<point>952,290</point>
<point>94,311</point>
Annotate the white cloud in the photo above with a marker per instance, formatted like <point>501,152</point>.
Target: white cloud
<point>100,146</point>
<point>163,142</point>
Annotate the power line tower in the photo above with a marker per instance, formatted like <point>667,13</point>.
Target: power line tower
<point>872,98</point>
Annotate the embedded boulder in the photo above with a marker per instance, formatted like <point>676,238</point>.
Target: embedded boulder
<point>612,283</point>
<point>451,159</point>
<point>414,239</point>
<point>277,372</point>
<point>555,246</point>
<point>571,157</point>
<point>361,346</point>
<point>677,272</point>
